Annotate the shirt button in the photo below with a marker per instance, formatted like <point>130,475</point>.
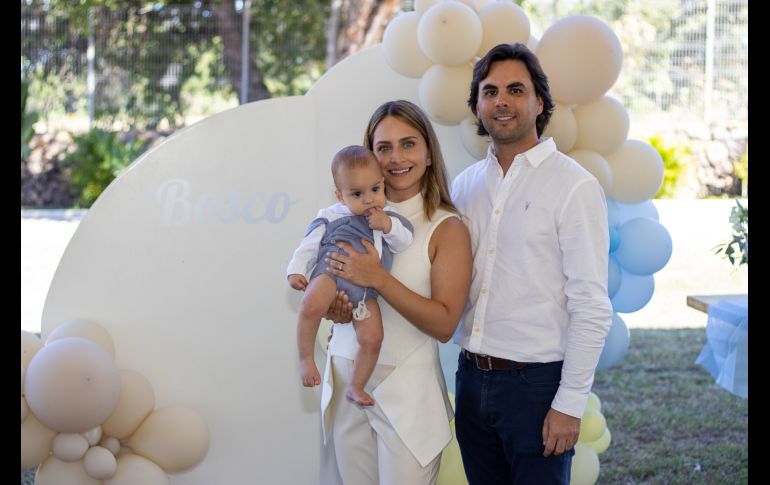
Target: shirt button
<point>491,251</point>
<point>497,212</point>
<point>483,291</point>
<point>476,330</point>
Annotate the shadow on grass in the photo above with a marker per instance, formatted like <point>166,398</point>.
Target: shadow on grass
<point>670,422</point>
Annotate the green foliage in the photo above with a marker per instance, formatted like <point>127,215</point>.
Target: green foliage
<point>741,169</point>
<point>205,93</point>
<point>99,157</point>
<point>28,120</point>
<point>675,157</point>
<point>739,245</point>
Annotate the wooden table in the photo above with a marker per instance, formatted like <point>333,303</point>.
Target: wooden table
<point>702,302</point>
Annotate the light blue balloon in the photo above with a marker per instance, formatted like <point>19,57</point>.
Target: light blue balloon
<point>448,353</point>
<point>634,292</point>
<point>616,343</point>
<point>614,239</point>
<point>646,209</point>
<point>614,277</point>
<point>645,246</point>
<point>613,213</point>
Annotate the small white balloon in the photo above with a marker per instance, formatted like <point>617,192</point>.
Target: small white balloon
<point>637,172</point>
<point>443,93</point>
<point>133,469</point>
<point>596,164</point>
<point>449,34</point>
<point>502,23</point>
<point>93,435</point>
<point>562,127</point>
<point>70,446</point>
<point>100,463</point>
<point>474,143</point>
<point>602,125</point>
<point>24,409</point>
<point>399,44</point>
<point>56,472</point>
<point>84,329</point>
<point>112,444</point>
<point>30,345</point>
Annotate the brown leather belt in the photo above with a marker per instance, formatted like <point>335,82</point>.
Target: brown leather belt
<point>487,362</point>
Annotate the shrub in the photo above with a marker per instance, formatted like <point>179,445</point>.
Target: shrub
<point>675,157</point>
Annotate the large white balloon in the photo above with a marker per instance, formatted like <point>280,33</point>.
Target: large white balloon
<point>502,23</point>
<point>637,172</point>
<point>35,441</point>
<point>56,472</point>
<point>596,164</point>
<point>562,127</point>
<point>136,402</point>
<point>399,43</point>
<point>581,56</point>
<point>30,345</point>
<point>602,125</point>
<point>645,246</point>
<point>474,143</point>
<point>72,385</point>
<point>443,93</point>
<point>132,469</point>
<point>450,34</point>
<point>176,438</point>
<point>84,329</point>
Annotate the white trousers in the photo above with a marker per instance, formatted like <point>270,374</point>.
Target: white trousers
<point>367,448</point>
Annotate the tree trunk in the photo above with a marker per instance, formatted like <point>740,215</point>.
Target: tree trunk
<point>229,26</point>
<point>356,24</point>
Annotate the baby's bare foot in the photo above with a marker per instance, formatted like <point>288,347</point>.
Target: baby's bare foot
<point>359,396</point>
<point>309,373</point>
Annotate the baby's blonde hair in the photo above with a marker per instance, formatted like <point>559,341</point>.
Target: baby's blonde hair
<point>352,156</point>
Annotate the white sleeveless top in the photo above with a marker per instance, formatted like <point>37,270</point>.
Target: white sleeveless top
<point>413,396</point>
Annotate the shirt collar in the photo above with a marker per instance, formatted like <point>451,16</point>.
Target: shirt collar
<point>535,155</point>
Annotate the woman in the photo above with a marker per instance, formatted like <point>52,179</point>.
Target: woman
<point>399,440</point>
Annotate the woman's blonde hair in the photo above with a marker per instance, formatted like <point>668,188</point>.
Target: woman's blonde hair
<point>434,185</point>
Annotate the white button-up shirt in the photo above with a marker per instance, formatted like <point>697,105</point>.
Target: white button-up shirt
<point>540,248</point>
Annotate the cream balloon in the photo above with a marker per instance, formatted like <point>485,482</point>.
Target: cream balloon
<point>592,426</point>
<point>23,372</point>
<point>602,125</point>
<point>532,43</point>
<point>596,164</point>
<point>601,445</point>
<point>399,43</point>
<point>322,337</point>
<point>594,402</point>
<point>84,329</point>
<point>30,345</point>
<point>100,463</point>
<point>562,127</point>
<point>502,23</point>
<point>585,465</point>
<point>24,409</point>
<point>581,56</point>
<point>422,6</point>
<point>112,444</point>
<point>136,402</point>
<point>176,438</point>
<point>72,385</point>
<point>35,441</point>
<point>132,469</point>
<point>56,472</point>
<point>637,172</point>
<point>443,92</point>
<point>474,143</point>
<point>449,33</point>
<point>93,435</point>
<point>69,446</point>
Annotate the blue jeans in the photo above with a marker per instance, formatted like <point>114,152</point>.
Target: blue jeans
<point>499,424</point>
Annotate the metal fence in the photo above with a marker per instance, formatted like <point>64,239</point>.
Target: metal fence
<point>691,65</point>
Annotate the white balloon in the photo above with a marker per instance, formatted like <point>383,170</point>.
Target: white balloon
<point>30,345</point>
<point>443,93</point>
<point>56,472</point>
<point>23,372</point>
<point>84,329</point>
<point>100,463</point>
<point>399,43</point>
<point>449,34</point>
<point>581,56</point>
<point>70,446</point>
<point>35,442</point>
<point>596,164</point>
<point>176,438</point>
<point>502,23</point>
<point>72,385</point>
<point>112,444</point>
<point>637,172</point>
<point>562,127</point>
<point>602,125</point>
<point>24,409</point>
<point>474,143</point>
<point>133,469</point>
<point>136,402</point>
<point>93,435</point>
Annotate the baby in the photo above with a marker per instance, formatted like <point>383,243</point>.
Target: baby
<point>360,213</point>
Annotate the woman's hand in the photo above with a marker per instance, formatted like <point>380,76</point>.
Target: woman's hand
<point>341,310</point>
<point>362,269</point>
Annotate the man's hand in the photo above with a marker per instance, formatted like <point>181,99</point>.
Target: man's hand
<point>297,281</point>
<point>341,310</point>
<point>378,219</point>
<point>560,432</point>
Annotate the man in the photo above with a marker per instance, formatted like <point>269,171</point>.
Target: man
<point>538,313</point>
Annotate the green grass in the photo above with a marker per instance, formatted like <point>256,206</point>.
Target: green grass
<point>670,422</point>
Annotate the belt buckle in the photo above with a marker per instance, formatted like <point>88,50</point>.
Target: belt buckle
<point>488,360</point>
